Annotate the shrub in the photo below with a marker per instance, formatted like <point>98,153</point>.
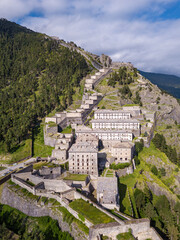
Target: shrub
<point>154,170</point>
<point>137,161</point>
<point>162,171</point>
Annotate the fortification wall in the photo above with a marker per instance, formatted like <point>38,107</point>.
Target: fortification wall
<point>60,200</point>
<point>51,119</point>
<point>23,184</point>
<point>50,184</point>
<point>51,129</point>
<point>32,208</point>
<point>49,141</point>
<point>113,229</point>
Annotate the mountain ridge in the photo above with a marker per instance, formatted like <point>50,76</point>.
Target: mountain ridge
<point>169,83</point>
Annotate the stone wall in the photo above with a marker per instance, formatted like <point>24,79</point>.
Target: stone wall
<point>125,171</point>
<point>51,129</point>
<point>23,184</point>
<point>111,230</point>
<point>31,208</point>
<point>50,184</point>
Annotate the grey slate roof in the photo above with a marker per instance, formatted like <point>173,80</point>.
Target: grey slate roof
<point>109,187</point>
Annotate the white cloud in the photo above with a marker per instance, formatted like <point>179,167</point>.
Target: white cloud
<point>12,9</point>
<point>119,28</point>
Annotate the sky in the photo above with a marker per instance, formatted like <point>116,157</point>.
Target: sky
<point>144,32</point>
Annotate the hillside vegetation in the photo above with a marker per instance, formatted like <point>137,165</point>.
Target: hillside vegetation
<point>26,227</point>
<point>36,76</point>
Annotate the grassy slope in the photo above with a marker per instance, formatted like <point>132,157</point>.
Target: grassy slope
<point>40,150</point>
<point>139,179</point>
<point>24,149</point>
<point>90,212</point>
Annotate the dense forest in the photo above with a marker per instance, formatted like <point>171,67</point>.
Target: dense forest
<point>37,75</point>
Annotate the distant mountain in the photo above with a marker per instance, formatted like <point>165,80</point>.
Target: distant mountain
<point>169,83</point>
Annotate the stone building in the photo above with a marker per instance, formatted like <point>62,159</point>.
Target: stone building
<point>49,173</point>
<point>122,152</point>
<point>88,138</point>
<point>111,114</point>
<point>106,135</point>
<point>62,144</point>
<point>131,124</point>
<point>107,192</point>
<point>134,110</point>
<point>83,158</point>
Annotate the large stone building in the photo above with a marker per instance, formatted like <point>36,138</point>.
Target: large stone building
<point>129,124</point>
<point>111,114</point>
<point>106,135</point>
<point>122,152</point>
<point>88,138</point>
<point>107,192</point>
<point>83,158</point>
<point>62,144</point>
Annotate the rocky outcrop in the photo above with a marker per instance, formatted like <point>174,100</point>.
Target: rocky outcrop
<point>31,208</point>
<point>158,191</point>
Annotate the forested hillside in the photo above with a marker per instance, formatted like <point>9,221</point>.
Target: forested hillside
<point>36,76</point>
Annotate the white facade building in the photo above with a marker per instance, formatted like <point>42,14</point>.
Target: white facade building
<point>105,135</point>
<point>111,114</point>
<point>130,124</point>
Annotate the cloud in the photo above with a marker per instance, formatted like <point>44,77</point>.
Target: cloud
<point>126,30</point>
<point>12,9</point>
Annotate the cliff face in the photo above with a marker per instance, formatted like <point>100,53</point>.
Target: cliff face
<point>31,208</point>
